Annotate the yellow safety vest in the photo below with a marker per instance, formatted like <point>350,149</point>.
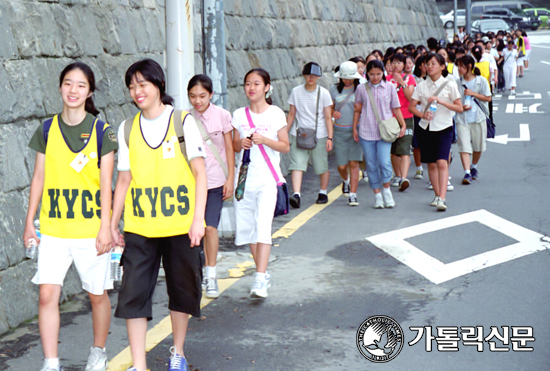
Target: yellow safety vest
<point>450,67</point>
<point>71,205</point>
<point>160,201</point>
<point>485,70</point>
<point>522,48</point>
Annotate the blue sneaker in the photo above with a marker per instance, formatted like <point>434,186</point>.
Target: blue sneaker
<point>467,179</point>
<point>475,173</point>
<point>177,362</point>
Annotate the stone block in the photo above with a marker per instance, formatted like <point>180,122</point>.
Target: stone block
<point>28,96</point>
<point>9,99</point>
<point>8,45</point>
<point>13,212</point>
<point>13,172</point>
<point>122,27</point>
<point>155,36</point>
<point>19,298</point>
<point>48,79</point>
<point>110,40</point>
<point>136,21</point>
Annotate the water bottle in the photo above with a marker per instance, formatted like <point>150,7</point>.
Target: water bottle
<point>32,245</point>
<point>116,268</point>
<point>433,108</point>
<point>468,101</point>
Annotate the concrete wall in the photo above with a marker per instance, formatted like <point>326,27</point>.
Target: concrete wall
<point>39,37</point>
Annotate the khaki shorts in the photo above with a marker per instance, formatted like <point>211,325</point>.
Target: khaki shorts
<point>402,146</point>
<point>472,137</point>
<point>346,149</point>
<point>299,157</point>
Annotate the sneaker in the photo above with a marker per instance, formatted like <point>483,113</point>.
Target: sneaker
<point>450,187</point>
<point>260,286</point>
<point>441,205</point>
<point>430,186</point>
<point>365,176</point>
<point>322,199</point>
<point>46,367</point>
<point>203,283</point>
<point>512,92</point>
<point>295,201</point>
<point>353,201</point>
<point>177,362</point>
<point>434,202</point>
<point>131,369</point>
<point>97,360</point>
<point>467,179</point>
<point>345,189</point>
<point>212,291</point>
<point>404,184</point>
<point>419,174</point>
<point>475,173</point>
<point>395,181</point>
<point>388,199</point>
<point>378,202</point>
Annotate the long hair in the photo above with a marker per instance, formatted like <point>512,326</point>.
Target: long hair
<point>87,71</point>
<point>152,72</point>
<point>265,76</point>
<point>469,63</point>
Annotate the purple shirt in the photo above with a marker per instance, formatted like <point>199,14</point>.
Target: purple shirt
<point>385,98</point>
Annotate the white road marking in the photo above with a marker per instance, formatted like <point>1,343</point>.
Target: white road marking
<point>525,95</point>
<point>519,107</point>
<point>533,108</point>
<point>434,270</point>
<point>510,108</point>
<point>544,61</point>
<point>540,46</point>
<point>524,136</point>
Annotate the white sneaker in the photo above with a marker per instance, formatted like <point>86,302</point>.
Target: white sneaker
<point>450,187</point>
<point>395,181</point>
<point>434,202</point>
<point>97,360</point>
<point>260,286</point>
<point>388,198</point>
<point>211,291</point>
<point>419,174</point>
<point>378,201</point>
<point>365,176</point>
<point>430,186</point>
<point>441,205</point>
<point>513,92</point>
<point>46,367</point>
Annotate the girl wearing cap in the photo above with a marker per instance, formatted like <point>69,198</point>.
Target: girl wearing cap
<point>366,131</point>
<point>348,151</point>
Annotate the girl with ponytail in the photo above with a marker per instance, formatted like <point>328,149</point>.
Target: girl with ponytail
<point>471,123</point>
<point>74,163</point>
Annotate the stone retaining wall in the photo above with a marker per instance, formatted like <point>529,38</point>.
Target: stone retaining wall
<point>39,37</point>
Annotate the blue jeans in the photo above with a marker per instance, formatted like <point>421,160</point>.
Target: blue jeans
<point>378,160</point>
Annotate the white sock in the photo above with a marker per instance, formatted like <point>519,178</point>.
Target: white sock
<point>386,190</point>
<point>210,271</point>
<point>378,195</point>
<point>323,191</point>
<point>347,181</point>
<point>352,194</point>
<point>420,168</point>
<point>52,362</point>
<point>261,276</point>
<point>474,166</point>
<point>298,193</point>
<point>467,171</point>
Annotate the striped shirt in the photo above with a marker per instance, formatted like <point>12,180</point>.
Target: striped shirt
<point>385,98</point>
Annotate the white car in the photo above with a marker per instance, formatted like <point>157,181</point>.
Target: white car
<point>449,19</point>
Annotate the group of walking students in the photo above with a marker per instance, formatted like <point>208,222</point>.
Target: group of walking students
<point>175,169</point>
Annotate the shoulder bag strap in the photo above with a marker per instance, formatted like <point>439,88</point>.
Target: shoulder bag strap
<point>127,129</point>
<point>372,103</point>
<point>179,120</point>
<point>437,93</point>
<point>350,93</point>
<point>317,108</point>
<point>213,149</point>
<point>261,147</point>
<point>99,131</point>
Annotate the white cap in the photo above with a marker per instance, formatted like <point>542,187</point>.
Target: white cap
<point>348,70</point>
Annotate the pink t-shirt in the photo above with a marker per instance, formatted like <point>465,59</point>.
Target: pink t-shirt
<point>409,81</point>
<point>217,122</point>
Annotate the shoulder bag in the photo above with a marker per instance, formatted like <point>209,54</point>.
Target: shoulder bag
<point>282,206</point>
<point>390,128</point>
<point>491,128</point>
<point>307,138</point>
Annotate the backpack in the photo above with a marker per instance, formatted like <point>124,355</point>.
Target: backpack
<point>99,130</point>
<point>178,128</point>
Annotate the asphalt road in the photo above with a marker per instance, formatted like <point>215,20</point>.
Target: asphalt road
<point>481,263</point>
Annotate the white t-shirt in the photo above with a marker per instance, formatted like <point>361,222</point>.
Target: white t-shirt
<point>154,132</point>
<point>267,123</point>
<point>305,103</point>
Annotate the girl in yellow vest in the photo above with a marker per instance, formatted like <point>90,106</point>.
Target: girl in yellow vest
<point>72,177</point>
<point>164,198</point>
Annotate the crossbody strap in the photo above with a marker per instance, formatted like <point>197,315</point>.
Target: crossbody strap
<point>261,146</point>
<point>317,108</point>
<point>372,103</point>
<point>437,93</point>
<point>210,144</point>
<point>350,93</point>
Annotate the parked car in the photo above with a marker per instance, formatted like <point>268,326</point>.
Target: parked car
<point>449,18</point>
<point>515,21</point>
<point>533,19</point>
<point>542,13</point>
<point>489,25</point>
<point>480,7</point>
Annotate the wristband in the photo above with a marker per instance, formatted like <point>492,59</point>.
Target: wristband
<point>329,138</point>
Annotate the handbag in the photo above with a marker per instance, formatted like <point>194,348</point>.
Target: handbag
<point>307,138</point>
<point>491,128</point>
<point>390,128</point>
<point>283,204</point>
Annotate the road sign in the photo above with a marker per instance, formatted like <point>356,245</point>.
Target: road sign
<point>524,136</point>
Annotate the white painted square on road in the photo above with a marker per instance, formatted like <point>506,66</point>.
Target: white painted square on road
<point>394,244</point>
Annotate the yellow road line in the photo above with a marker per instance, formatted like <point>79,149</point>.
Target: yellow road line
<point>160,332</point>
<point>299,220</point>
<point>164,328</point>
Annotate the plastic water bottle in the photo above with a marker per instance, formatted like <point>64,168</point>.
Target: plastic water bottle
<point>116,268</point>
<point>468,101</point>
<point>32,245</point>
<point>432,109</point>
